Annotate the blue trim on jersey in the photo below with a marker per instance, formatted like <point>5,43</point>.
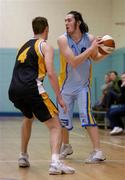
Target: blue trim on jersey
<point>88,125</point>
<point>87,108</point>
<point>69,129</point>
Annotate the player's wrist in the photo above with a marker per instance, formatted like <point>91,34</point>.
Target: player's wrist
<point>91,49</point>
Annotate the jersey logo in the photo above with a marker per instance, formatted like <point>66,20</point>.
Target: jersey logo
<point>83,49</point>
<point>22,57</point>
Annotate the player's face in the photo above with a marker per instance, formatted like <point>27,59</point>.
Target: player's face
<point>70,24</point>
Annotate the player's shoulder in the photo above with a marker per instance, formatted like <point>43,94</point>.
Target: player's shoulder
<point>45,47</point>
<point>62,38</point>
<point>44,43</point>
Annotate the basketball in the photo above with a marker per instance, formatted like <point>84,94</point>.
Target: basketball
<point>107,46</point>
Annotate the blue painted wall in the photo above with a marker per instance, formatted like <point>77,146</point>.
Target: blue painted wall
<point>7,59</point>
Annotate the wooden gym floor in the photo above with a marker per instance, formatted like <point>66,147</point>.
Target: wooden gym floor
<point>112,169</point>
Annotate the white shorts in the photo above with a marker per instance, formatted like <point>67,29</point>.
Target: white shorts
<point>84,106</point>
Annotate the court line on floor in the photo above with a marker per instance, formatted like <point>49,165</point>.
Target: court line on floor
<point>80,135</point>
<point>73,160</point>
<point>104,142</point>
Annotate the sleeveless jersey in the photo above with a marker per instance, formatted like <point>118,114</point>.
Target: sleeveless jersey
<point>29,70</point>
<point>72,80</point>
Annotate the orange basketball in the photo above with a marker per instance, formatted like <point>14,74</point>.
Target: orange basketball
<point>108,45</point>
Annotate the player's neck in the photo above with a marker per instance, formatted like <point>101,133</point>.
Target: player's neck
<point>39,36</point>
<point>76,36</point>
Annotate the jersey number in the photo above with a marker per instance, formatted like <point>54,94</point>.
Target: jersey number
<point>22,57</point>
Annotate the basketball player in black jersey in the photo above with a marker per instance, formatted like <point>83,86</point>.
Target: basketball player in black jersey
<point>26,91</point>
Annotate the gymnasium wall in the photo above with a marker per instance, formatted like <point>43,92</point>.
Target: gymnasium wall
<point>118,22</point>
<point>102,17</point>
<point>7,59</point>
<point>16,17</point>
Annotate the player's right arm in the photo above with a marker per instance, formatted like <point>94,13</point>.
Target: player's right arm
<point>67,52</point>
<point>49,61</point>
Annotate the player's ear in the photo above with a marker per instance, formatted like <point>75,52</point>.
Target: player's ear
<point>79,22</point>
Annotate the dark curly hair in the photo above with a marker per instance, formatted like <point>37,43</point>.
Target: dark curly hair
<point>78,17</point>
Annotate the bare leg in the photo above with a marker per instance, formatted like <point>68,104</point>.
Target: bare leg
<point>97,155</point>
<point>65,136</point>
<point>56,166</point>
<point>66,148</point>
<point>94,136</point>
<point>55,134</point>
<point>25,134</point>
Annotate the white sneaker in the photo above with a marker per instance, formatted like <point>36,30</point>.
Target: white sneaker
<point>23,161</point>
<point>116,130</point>
<point>95,157</point>
<point>60,168</point>
<point>66,150</point>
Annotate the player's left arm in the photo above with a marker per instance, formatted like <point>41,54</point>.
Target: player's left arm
<point>96,56</point>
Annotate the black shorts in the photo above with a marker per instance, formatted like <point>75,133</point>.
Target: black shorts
<point>40,106</point>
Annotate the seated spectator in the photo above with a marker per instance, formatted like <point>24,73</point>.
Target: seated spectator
<point>107,84</point>
<point>116,112</point>
<point>114,77</point>
<point>111,92</point>
<point>106,88</point>
<point>100,104</point>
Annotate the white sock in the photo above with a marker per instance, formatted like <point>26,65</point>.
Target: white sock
<point>55,157</point>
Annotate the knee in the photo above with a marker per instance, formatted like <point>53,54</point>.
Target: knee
<point>54,123</point>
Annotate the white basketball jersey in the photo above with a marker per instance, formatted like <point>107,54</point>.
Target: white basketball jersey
<point>72,80</point>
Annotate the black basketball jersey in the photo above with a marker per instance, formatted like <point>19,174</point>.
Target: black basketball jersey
<point>28,70</point>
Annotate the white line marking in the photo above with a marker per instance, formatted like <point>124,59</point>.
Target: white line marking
<point>73,160</point>
<point>104,142</point>
<point>80,135</point>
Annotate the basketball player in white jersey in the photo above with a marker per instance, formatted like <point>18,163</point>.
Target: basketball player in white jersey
<point>77,49</point>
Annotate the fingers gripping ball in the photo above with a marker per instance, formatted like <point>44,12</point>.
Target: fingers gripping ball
<point>107,46</point>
